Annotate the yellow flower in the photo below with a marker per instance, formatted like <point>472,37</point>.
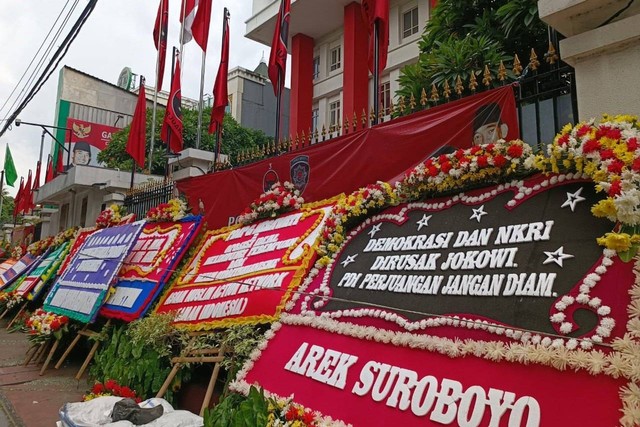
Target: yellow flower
<point>619,242</point>
<point>604,209</point>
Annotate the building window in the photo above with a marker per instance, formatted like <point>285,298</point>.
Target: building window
<point>316,67</point>
<point>315,117</point>
<point>334,58</point>
<point>410,22</point>
<point>83,211</point>
<point>334,114</point>
<point>385,97</point>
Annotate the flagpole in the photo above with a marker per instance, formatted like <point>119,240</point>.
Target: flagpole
<point>173,72</point>
<point>155,97</point>
<point>41,145</point>
<point>278,99</point>
<point>376,70</point>
<point>1,191</point>
<point>201,103</point>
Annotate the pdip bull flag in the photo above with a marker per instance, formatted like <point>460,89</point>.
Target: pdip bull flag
<point>278,56</point>
<point>172,126</point>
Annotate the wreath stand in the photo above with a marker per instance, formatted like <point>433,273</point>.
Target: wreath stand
<point>202,355</point>
<point>37,352</point>
<point>22,308</point>
<point>84,332</point>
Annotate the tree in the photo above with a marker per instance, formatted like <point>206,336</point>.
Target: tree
<point>463,36</point>
<point>234,139</point>
<point>6,216</point>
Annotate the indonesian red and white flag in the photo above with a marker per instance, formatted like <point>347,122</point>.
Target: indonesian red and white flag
<point>187,15</point>
<point>201,23</point>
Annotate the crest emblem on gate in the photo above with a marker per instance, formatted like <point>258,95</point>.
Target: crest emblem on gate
<point>269,178</point>
<point>300,170</point>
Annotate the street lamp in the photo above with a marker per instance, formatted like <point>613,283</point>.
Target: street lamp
<point>45,128</point>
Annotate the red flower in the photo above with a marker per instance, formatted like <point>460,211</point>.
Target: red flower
<point>459,154</point>
<point>632,144</point>
<point>591,146</point>
<point>489,147</point>
<point>607,154</point>
<point>582,131</point>
<point>499,160</point>
<point>475,149</point>
<point>636,165</point>
<point>110,384</point>
<point>446,167</point>
<point>615,189</point>
<point>616,166</point>
<point>98,388</point>
<point>515,150</point>
<point>563,140</point>
<point>291,414</point>
<point>433,171</point>
<point>483,161</point>
<point>309,418</point>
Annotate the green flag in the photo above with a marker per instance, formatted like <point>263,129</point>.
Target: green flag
<point>10,173</point>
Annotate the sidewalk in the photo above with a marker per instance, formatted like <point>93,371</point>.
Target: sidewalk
<point>26,398</point>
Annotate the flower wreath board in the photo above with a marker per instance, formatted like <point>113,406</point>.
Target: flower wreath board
<point>245,274</point>
<point>16,270</point>
<point>158,250</point>
<point>6,264</point>
<point>82,288</point>
<point>40,275</point>
<point>76,243</point>
<point>492,307</point>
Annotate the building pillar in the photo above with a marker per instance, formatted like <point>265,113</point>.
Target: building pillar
<point>355,84</point>
<point>301,101</point>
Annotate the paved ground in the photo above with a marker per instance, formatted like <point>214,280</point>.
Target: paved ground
<point>26,398</point>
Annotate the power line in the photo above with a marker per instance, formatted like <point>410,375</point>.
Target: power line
<point>34,57</point>
<point>53,63</point>
<point>20,97</point>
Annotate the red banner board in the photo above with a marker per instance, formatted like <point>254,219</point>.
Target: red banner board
<point>245,274</point>
<point>344,164</point>
<point>87,141</point>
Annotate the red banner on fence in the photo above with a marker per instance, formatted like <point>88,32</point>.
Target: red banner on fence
<point>344,164</point>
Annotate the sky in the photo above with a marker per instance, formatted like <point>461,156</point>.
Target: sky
<point>118,34</point>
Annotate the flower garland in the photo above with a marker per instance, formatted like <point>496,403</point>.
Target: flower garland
<point>279,199</point>
<point>111,388</point>
<point>609,153</point>
<point>17,252</point>
<point>285,413</point>
<point>109,217</point>
<point>8,300</point>
<point>349,210</point>
<point>65,236</point>
<point>42,326</point>
<point>37,248</point>
<point>173,210</point>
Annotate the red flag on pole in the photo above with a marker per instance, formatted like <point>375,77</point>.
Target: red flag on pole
<point>187,15</point>
<point>137,141</point>
<point>278,55</point>
<point>160,39</point>
<point>49,175</point>
<point>18,200</point>
<point>36,181</point>
<point>377,10</point>
<point>27,195</point>
<point>171,132</point>
<point>200,26</point>
<point>59,165</point>
<point>220,89</point>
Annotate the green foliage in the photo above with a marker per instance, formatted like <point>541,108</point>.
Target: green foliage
<point>234,139</point>
<point>240,411</point>
<point>466,35</point>
<point>133,364</point>
<point>6,216</point>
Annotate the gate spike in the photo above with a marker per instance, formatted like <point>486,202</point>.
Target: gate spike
<point>412,102</point>
<point>502,72</point>
<point>473,84</point>
<point>459,86</point>
<point>447,90</point>
<point>486,76</point>
<point>435,96</point>
<point>423,98</point>
<point>551,56</point>
<point>517,67</point>
<point>533,60</point>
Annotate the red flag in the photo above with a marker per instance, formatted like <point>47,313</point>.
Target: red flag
<point>17,202</point>
<point>137,141</point>
<point>200,27</point>
<point>220,90</point>
<point>27,195</point>
<point>278,55</point>
<point>49,175</point>
<point>160,39</point>
<point>171,132</point>
<point>59,165</point>
<point>377,10</point>
<point>36,181</point>
<point>187,15</point>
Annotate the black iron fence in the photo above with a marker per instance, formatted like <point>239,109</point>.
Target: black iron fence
<point>146,196</point>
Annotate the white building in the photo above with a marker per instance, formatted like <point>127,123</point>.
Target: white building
<point>328,43</point>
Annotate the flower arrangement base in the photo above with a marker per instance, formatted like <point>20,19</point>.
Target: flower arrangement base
<point>52,351</point>
<point>200,355</point>
<point>84,332</point>
<point>36,353</point>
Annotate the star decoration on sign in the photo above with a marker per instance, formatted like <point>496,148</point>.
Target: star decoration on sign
<point>478,213</point>
<point>348,260</point>
<point>374,230</point>
<point>424,222</point>
<point>573,199</point>
<point>558,256</point>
